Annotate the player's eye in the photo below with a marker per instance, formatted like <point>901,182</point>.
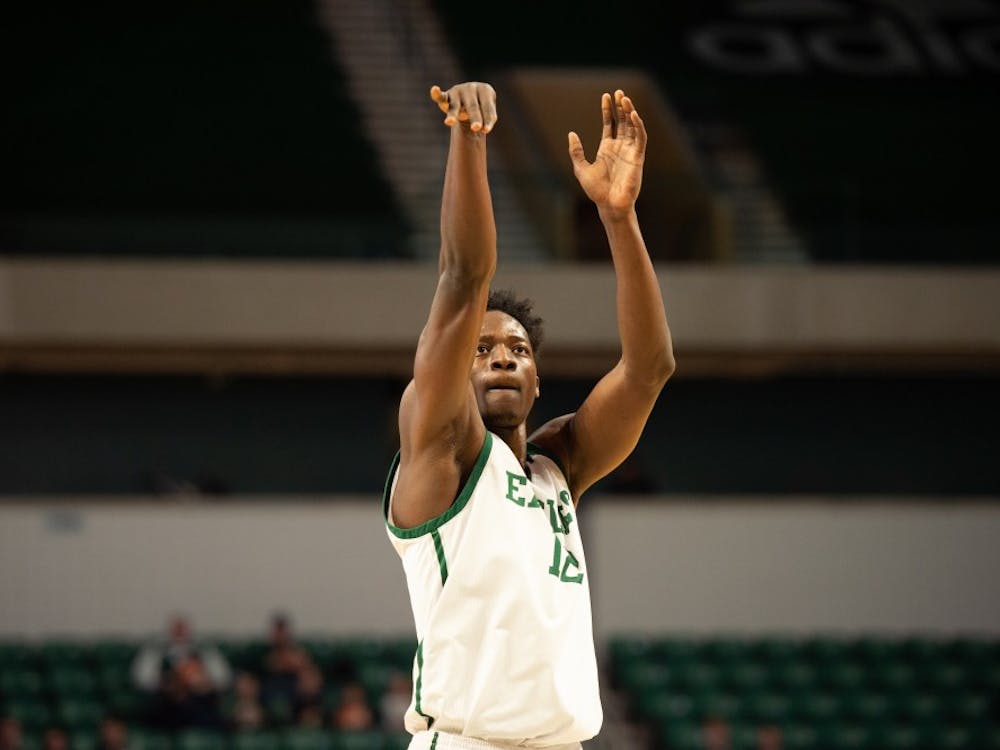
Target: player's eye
<point>520,349</point>
<point>482,349</point>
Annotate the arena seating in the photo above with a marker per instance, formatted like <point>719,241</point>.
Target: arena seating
<point>825,693</point>
<point>74,684</point>
<point>185,129</point>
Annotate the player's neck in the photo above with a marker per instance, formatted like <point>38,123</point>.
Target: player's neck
<point>516,439</point>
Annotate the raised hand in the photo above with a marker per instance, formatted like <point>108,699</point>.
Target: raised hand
<point>473,103</point>
<point>614,178</point>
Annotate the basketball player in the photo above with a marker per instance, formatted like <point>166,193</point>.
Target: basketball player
<point>484,517</point>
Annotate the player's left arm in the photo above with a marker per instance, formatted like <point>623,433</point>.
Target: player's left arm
<point>607,426</point>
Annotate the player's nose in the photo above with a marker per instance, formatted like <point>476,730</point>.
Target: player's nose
<point>501,359</point>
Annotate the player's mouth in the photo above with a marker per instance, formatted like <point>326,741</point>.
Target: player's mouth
<point>503,387</point>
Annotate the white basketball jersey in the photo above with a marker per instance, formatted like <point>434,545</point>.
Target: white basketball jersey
<point>501,600</point>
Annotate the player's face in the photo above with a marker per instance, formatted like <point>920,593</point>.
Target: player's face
<point>503,373</point>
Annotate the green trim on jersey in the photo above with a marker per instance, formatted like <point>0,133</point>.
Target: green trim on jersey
<point>434,741</point>
<point>435,523</point>
<point>535,449</point>
<point>439,549</point>
<point>416,686</point>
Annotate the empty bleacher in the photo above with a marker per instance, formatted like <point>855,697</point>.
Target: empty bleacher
<point>185,129</point>
<point>829,693</point>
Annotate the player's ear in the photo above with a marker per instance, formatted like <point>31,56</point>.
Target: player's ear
<point>538,384</point>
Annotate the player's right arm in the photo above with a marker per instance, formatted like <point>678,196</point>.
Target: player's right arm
<point>440,429</point>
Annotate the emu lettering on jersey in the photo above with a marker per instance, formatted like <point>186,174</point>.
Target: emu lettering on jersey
<point>564,567</point>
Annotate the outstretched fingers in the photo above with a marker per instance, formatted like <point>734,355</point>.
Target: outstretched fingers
<point>576,154</point>
<point>474,103</point>
<point>640,131</point>
<point>606,118</point>
<point>620,121</point>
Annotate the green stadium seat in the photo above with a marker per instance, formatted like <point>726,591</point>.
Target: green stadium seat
<point>815,708</point>
<point>723,651</point>
<point>34,714</point>
<point>146,739</point>
<point>130,705</point>
<point>359,650</point>
<point>83,741</point>
<point>643,676</point>
<point>985,675</point>
<point>767,708</point>
<point>718,705</point>
<point>698,677</point>
<point>845,737</point>
<point>61,654</point>
<point>795,677</point>
<point>744,677</point>
<point>800,737</point>
<point>630,650</point>
<point>324,652</point>
<point>307,739</point>
<point>401,652</point>
<point>874,651</point>
<point>17,656</point>
<point>844,677</point>
<point>919,707</point>
<point>682,735</point>
<point>921,650</point>
<point>743,736</point>
<point>943,676</point>
<point>775,651</point>
<point>660,706</point>
<point>398,740</point>
<point>17,682</point>
<point>966,707</point>
<point>986,737</point>
<point>894,677</point>
<point>866,706</point>
<point>114,678</point>
<point>243,654</point>
<point>115,652</point>
<point>199,739</point>
<point>897,737</point>
<point>69,682</point>
<point>80,713</point>
<point>374,678</point>
<point>357,741</point>
<point>256,741</point>
<point>971,651</point>
<point>677,651</point>
<point>825,651</point>
<point>948,737</point>
<point>279,710</point>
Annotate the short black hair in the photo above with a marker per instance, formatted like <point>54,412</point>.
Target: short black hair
<point>521,310</point>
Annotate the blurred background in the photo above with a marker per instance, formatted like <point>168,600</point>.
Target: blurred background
<point>218,241</point>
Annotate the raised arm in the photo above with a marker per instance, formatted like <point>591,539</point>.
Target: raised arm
<point>440,427</point>
<point>607,426</point>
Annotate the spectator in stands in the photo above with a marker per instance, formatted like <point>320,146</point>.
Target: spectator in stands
<point>284,662</point>
<point>769,738</point>
<point>715,734</point>
<point>308,703</point>
<point>395,700</point>
<point>246,711</point>
<point>353,714</point>
<point>189,698</point>
<point>55,738</point>
<point>11,737</point>
<point>157,660</point>
<point>113,734</point>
